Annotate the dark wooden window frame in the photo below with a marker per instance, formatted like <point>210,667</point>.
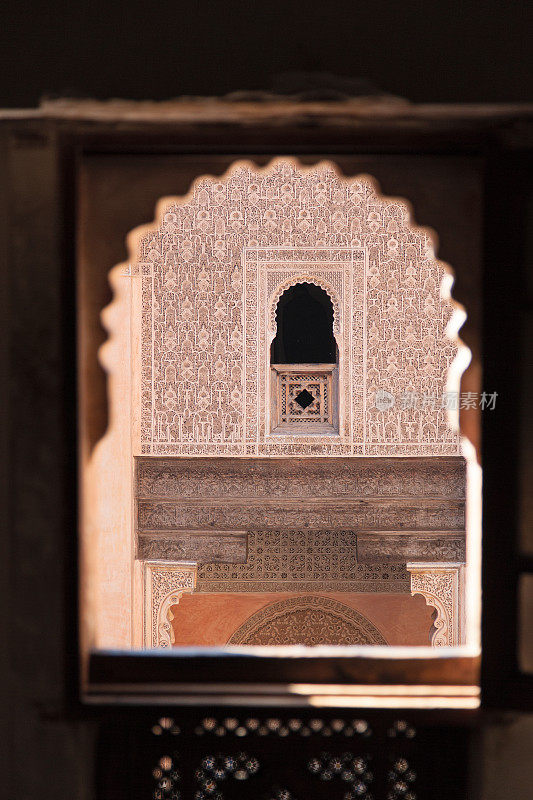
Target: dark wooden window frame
<point>502,139</point>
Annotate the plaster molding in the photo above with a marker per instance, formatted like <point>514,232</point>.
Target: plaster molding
<point>442,587</point>
<point>211,270</point>
<point>164,584</point>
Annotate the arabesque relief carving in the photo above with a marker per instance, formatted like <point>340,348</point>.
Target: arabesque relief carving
<point>203,546</point>
<point>352,494</point>
<point>344,525</point>
<point>210,276</point>
<point>310,620</point>
<point>437,547</point>
<point>300,561</point>
<point>441,586</point>
<point>341,479</point>
<point>167,516</point>
<point>164,584</point>
<point>220,480</point>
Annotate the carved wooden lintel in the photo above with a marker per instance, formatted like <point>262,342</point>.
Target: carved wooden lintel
<point>411,495</point>
<point>213,547</point>
<point>442,587</point>
<point>342,479</point>
<point>291,513</point>
<point>164,584</point>
<point>386,511</point>
<point>400,547</point>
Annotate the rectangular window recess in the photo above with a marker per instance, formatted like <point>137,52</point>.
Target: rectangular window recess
<point>364,677</point>
<point>442,678</point>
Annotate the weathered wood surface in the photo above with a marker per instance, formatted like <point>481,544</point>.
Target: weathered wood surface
<point>432,546</point>
<point>262,669</point>
<point>204,546</point>
<point>245,110</point>
<point>347,479</point>
<point>399,508</point>
<point>356,514</point>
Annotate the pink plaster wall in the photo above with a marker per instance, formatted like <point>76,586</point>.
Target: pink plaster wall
<point>210,619</point>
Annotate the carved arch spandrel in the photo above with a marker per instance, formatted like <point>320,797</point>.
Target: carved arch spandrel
<point>164,584</point>
<point>441,585</point>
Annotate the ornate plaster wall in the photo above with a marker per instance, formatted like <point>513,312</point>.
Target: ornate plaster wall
<point>199,316</point>
<point>208,278</point>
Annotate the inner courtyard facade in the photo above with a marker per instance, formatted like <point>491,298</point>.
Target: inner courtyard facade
<point>283,463</point>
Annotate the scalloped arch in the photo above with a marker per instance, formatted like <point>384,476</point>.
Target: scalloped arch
<point>305,278</point>
<point>211,272</point>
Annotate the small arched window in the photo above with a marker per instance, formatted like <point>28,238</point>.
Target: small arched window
<point>304,318</point>
<point>304,357</point>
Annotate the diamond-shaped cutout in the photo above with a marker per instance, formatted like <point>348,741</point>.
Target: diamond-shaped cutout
<point>304,398</point>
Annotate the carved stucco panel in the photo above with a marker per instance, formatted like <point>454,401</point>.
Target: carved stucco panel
<point>164,584</point>
<point>267,277</point>
<point>301,561</point>
<point>210,275</point>
<point>441,586</point>
<point>309,620</point>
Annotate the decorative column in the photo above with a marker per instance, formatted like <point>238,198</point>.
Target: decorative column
<point>164,583</point>
<point>442,586</point>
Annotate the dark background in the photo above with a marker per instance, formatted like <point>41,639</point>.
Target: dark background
<point>426,51</point>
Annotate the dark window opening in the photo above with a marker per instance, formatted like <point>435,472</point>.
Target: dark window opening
<point>304,319</point>
<point>304,399</point>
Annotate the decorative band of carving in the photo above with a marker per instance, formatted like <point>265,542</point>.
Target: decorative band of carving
<point>441,586</point>
<point>296,255</point>
<point>380,514</point>
<point>253,479</point>
<point>442,547</point>
<point>164,584</point>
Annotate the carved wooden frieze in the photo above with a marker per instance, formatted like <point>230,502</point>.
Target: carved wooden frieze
<point>354,494</point>
<point>301,561</point>
<point>342,525</point>
<point>357,514</point>
<point>391,547</point>
<point>342,478</point>
<point>202,546</point>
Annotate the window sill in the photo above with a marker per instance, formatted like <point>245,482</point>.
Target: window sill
<point>325,677</point>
